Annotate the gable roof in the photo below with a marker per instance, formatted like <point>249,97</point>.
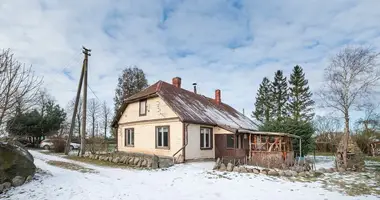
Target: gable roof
<point>193,108</point>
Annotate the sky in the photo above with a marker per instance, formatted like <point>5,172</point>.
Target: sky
<point>229,45</point>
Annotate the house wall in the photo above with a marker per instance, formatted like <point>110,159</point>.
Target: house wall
<point>156,109</point>
<point>158,114</point>
<point>218,130</point>
<point>226,153</point>
<point>193,148</point>
<point>145,137</point>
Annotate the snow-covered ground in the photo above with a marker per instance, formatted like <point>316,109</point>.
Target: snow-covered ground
<point>187,181</point>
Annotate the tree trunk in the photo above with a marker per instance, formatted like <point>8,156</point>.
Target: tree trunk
<point>93,126</point>
<point>105,129</point>
<point>346,136</point>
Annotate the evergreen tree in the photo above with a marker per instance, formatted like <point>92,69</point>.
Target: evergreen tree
<point>279,95</point>
<point>37,123</point>
<point>130,82</point>
<point>300,102</point>
<point>263,104</point>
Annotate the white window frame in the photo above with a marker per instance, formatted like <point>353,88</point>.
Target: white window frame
<point>161,128</point>
<point>142,108</point>
<point>129,137</point>
<point>207,132</point>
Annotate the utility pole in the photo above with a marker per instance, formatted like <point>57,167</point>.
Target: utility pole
<point>86,53</point>
<point>72,125</point>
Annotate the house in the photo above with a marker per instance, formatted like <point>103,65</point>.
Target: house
<point>169,121</point>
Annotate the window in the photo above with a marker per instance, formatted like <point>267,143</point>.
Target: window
<point>230,141</point>
<point>129,137</point>
<point>142,108</point>
<point>206,138</point>
<point>162,137</point>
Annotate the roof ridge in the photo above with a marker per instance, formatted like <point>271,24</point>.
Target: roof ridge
<point>158,85</point>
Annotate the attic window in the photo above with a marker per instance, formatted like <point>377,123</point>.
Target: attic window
<point>142,108</point>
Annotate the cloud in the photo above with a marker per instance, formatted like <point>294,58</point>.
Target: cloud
<point>230,45</point>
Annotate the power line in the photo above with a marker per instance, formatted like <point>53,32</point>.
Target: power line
<point>93,92</point>
<point>74,60</point>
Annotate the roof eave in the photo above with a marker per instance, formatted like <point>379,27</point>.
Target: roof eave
<point>269,133</point>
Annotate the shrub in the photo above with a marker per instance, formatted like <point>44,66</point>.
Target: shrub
<point>59,145</point>
<point>96,144</point>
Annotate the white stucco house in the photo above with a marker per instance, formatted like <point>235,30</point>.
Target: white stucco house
<point>167,120</point>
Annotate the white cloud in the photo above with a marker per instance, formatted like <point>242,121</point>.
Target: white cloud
<point>190,39</point>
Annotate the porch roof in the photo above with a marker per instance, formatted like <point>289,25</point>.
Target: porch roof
<point>267,133</point>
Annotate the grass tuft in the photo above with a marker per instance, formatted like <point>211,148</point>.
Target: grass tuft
<point>71,166</point>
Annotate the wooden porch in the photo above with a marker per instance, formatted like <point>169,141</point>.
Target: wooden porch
<point>264,149</point>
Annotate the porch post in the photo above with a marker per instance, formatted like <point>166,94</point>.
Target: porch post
<point>250,146</point>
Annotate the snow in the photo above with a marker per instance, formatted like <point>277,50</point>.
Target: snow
<point>324,162</point>
<point>201,109</point>
<point>186,181</point>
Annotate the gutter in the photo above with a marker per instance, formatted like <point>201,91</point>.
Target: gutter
<point>185,141</point>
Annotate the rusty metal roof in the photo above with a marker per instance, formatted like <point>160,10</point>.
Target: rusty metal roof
<point>193,108</point>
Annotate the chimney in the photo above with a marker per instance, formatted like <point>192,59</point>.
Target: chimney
<point>195,87</point>
<point>176,81</point>
<point>217,97</point>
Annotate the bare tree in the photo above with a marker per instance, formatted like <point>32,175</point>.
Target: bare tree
<point>64,130</point>
<point>17,83</point>
<point>328,132</point>
<point>327,124</point>
<point>70,111</point>
<point>371,120</point>
<point>106,112</point>
<point>349,79</point>
<point>93,113</point>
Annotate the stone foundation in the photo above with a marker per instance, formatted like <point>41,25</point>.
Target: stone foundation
<point>290,172</point>
<point>134,159</point>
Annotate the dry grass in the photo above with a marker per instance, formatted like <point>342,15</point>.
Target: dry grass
<point>71,166</point>
<point>370,158</point>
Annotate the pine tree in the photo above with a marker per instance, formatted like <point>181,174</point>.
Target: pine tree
<point>300,102</point>
<point>263,104</point>
<point>130,82</point>
<point>279,95</point>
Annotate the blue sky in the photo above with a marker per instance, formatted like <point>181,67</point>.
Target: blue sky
<point>220,44</point>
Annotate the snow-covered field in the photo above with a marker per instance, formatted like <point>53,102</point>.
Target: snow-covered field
<point>187,181</point>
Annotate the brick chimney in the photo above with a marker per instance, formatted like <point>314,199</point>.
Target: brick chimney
<point>176,81</point>
<point>217,97</point>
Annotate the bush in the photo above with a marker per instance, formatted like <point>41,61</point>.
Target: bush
<point>59,145</point>
<point>97,144</point>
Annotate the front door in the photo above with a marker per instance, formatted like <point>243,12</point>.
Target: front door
<point>219,145</point>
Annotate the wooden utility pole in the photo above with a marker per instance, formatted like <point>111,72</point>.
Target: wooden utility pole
<point>86,53</point>
<point>72,125</point>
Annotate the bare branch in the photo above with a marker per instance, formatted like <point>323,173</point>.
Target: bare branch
<point>106,113</point>
<point>93,113</point>
<point>18,85</point>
